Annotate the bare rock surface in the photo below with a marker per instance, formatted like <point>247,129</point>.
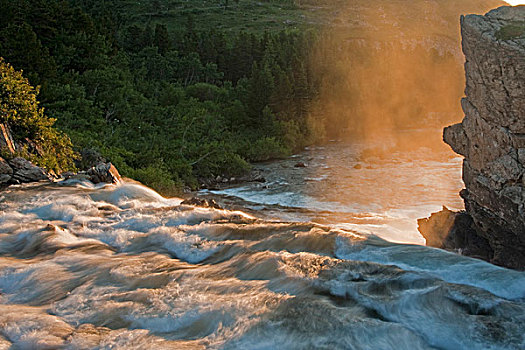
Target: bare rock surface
<point>24,171</point>
<point>6,172</point>
<point>491,137</point>
<point>104,172</point>
<point>454,231</point>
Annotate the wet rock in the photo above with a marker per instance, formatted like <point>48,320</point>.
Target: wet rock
<point>300,165</point>
<point>220,182</point>
<point>104,172</point>
<point>6,172</point>
<point>76,176</point>
<point>258,178</point>
<point>491,137</point>
<point>202,202</point>
<point>454,231</point>
<point>24,171</point>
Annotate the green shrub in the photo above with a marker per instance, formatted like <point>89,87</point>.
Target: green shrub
<point>19,109</point>
<point>159,179</point>
<point>265,148</point>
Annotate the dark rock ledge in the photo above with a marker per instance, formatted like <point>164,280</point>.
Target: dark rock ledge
<point>19,170</point>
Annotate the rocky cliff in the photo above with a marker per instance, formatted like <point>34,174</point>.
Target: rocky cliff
<point>491,137</point>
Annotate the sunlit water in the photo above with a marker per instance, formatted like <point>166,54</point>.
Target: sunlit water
<point>120,267</point>
<point>371,187</point>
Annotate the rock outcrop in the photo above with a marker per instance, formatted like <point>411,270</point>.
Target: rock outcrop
<point>202,202</point>
<point>6,172</point>
<point>24,171</point>
<point>491,137</point>
<point>19,170</point>
<point>104,172</point>
<point>455,231</point>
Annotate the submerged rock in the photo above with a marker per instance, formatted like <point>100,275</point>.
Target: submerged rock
<point>219,182</point>
<point>202,202</point>
<point>491,137</point>
<point>24,171</point>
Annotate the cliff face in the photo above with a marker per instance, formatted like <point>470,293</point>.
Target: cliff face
<point>492,134</point>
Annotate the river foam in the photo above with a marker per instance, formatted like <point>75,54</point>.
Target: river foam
<point>121,267</point>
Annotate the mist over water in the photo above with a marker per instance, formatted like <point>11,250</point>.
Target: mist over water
<point>120,267</point>
<point>387,65</point>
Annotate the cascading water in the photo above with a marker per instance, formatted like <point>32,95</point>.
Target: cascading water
<point>121,267</point>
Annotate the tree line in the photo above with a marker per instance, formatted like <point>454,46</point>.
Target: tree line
<point>166,107</point>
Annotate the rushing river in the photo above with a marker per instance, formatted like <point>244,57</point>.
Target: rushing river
<point>372,187</point>
<point>120,267</point>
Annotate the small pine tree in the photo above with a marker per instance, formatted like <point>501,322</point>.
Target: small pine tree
<point>19,109</point>
<point>162,38</point>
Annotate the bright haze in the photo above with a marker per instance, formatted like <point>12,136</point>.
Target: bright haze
<point>394,65</point>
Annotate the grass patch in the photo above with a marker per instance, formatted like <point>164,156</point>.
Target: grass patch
<point>255,16</point>
<point>511,31</point>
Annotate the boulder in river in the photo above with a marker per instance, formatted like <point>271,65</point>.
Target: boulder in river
<point>24,171</point>
<point>6,172</point>
<point>104,172</point>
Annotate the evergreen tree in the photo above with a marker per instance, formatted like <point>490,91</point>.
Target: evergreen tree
<point>260,89</point>
<point>162,38</point>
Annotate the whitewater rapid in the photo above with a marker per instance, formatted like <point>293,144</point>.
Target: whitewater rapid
<point>120,267</point>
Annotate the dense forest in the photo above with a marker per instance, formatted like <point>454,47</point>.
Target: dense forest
<point>167,107</point>
<point>174,92</point>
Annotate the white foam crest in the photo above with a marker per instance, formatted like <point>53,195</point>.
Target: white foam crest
<point>31,328</point>
<point>115,237</point>
<point>198,215</point>
<point>133,195</point>
<point>190,248</point>
<point>190,307</point>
